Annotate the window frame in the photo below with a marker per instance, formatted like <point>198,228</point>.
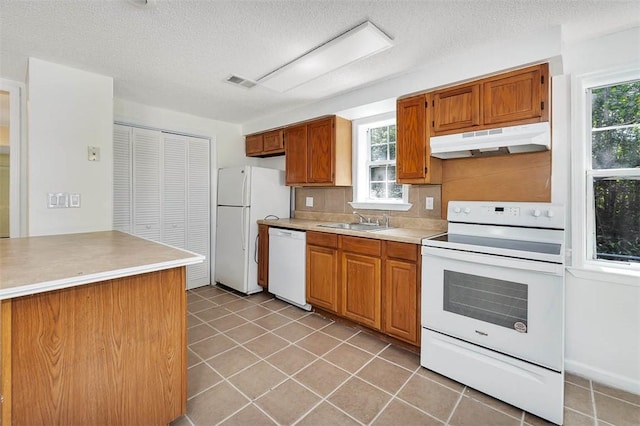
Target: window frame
<point>361,164</point>
<point>582,193</point>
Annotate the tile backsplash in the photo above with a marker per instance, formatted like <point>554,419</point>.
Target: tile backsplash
<point>335,200</point>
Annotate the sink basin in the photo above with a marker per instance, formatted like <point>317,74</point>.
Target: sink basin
<point>369,227</point>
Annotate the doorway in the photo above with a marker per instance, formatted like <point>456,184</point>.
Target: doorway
<point>5,149</point>
<point>12,161</point>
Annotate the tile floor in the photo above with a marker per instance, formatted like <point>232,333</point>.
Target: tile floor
<point>255,360</point>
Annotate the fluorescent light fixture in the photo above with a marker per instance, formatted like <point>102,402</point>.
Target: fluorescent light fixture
<point>357,43</point>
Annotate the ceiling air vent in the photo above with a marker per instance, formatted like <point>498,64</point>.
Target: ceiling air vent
<point>239,81</point>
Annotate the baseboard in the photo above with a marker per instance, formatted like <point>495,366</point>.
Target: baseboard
<point>601,376</point>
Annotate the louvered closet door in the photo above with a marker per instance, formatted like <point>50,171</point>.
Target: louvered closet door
<point>147,183</point>
<point>122,178</point>
<point>174,203</point>
<point>198,208</point>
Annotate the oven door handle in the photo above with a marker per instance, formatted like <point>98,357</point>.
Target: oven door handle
<point>433,253</point>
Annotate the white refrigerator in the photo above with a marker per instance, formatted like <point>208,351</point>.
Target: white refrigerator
<point>245,195</point>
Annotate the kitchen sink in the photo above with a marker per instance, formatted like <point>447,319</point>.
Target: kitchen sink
<point>368,227</point>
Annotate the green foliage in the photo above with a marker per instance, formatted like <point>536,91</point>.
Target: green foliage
<point>617,201</point>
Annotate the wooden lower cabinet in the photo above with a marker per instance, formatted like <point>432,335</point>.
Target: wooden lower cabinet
<point>378,285</point>
<point>402,291</point>
<point>361,280</point>
<point>401,300</point>
<point>112,352</point>
<point>263,255</point>
<point>361,289</point>
<point>322,270</point>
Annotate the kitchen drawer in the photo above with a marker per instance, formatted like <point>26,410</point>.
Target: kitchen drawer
<point>361,245</point>
<point>322,239</point>
<point>403,251</point>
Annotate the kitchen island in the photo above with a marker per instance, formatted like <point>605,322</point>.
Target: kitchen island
<point>93,329</point>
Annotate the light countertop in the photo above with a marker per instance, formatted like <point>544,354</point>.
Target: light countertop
<point>403,235</point>
<point>37,264</point>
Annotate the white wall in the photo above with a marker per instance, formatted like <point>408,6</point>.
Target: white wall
<point>226,138</point>
<point>602,311</point>
<point>69,109</point>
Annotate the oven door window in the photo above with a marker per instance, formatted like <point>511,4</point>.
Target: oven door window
<point>499,302</point>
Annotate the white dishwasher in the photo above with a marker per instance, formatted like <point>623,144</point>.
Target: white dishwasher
<point>287,260</point>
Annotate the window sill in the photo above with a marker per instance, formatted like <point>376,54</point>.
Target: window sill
<point>616,275</point>
<point>369,205</point>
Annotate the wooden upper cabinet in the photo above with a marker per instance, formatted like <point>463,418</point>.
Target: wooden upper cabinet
<point>265,144</point>
<point>253,145</point>
<point>318,153</point>
<point>519,96</point>
<point>321,151</point>
<point>508,99</point>
<point>456,108</point>
<point>296,154</point>
<point>413,154</point>
<point>273,142</point>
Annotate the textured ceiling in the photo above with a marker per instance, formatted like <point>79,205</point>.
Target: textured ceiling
<point>176,54</point>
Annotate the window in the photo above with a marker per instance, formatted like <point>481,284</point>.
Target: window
<point>381,163</point>
<point>613,173</point>
<point>375,184</point>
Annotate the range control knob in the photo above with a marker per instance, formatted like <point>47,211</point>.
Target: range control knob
<point>537,213</point>
<point>456,210</point>
<point>550,213</point>
<point>467,210</point>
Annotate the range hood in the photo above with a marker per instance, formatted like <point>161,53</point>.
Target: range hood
<point>483,143</point>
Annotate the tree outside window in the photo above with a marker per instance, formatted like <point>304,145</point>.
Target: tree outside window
<point>614,176</point>
<point>382,164</point>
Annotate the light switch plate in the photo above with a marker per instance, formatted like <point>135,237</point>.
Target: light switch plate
<point>59,200</point>
<point>74,200</point>
<point>309,202</point>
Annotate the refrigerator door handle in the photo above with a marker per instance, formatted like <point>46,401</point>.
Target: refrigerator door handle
<point>255,249</point>
<point>244,189</point>
<point>244,229</point>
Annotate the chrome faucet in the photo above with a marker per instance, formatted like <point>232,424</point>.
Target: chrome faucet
<point>362,218</point>
<point>386,220</point>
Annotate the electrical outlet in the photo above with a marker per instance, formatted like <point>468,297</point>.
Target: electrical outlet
<point>429,203</point>
<point>93,153</point>
<point>309,202</point>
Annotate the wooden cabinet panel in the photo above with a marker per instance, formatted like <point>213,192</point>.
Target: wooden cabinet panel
<point>404,251</point>
<point>253,145</point>
<point>401,317</point>
<point>321,154</point>
<point>296,154</point>
<point>265,144</point>
<point>273,142</point>
<point>263,255</point>
<point>516,97</point>
<point>414,163</point>
<point>112,352</point>
<point>318,153</point>
<point>323,239</point>
<point>361,289</point>
<point>322,277</point>
<point>360,245</point>
<point>411,118</point>
<point>456,108</point>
